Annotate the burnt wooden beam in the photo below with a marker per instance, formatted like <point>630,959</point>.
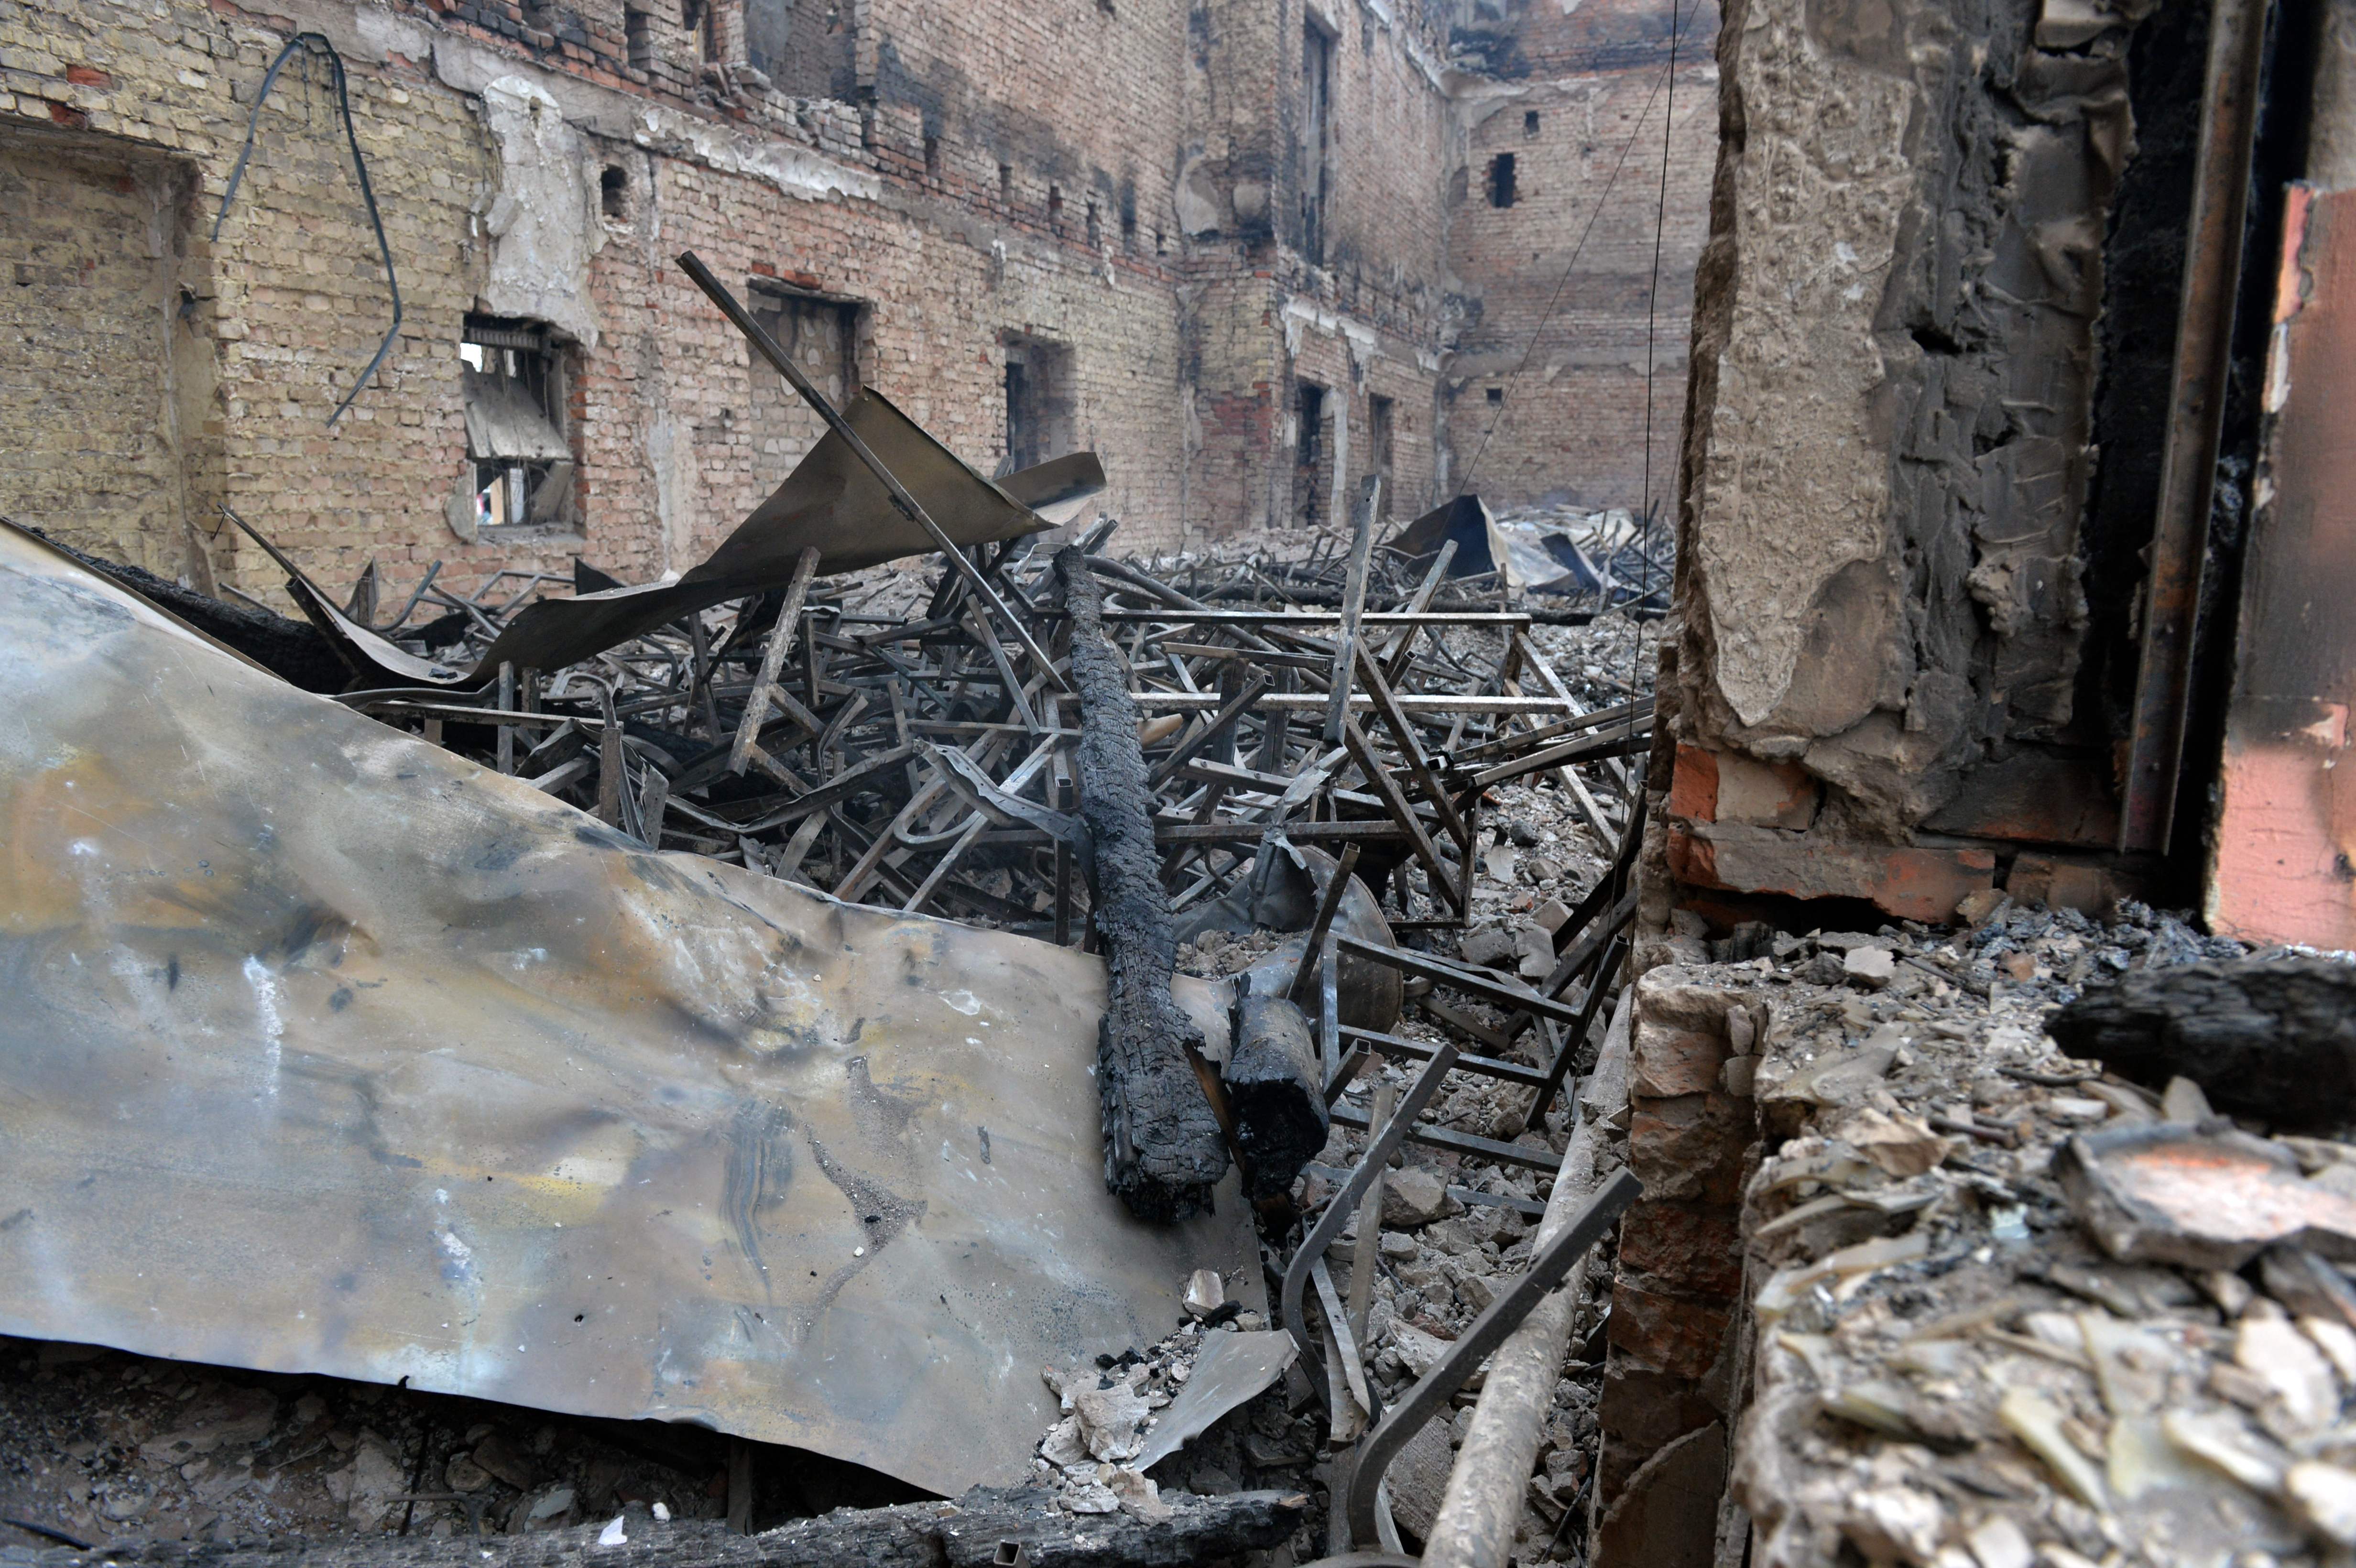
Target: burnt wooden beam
<point>1164,1151</point>
<point>983,1527</point>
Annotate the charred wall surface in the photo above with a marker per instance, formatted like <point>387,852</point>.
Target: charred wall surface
<point>1892,449</point>
<point>1111,194</point>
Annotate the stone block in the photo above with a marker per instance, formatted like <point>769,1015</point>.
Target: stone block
<point>1690,1146</point>
<point>1689,1248</point>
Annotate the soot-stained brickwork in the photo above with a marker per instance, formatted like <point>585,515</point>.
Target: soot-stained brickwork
<point>1216,241</point>
<point>1554,222</point>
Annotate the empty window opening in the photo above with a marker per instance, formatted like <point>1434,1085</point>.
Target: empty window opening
<point>515,390</point>
<point>1313,473</point>
<point>769,38</point>
<point>1501,180</point>
<point>1381,416</point>
<point>1496,397</point>
<point>819,333</point>
<point>1040,421</point>
<point>1055,206</point>
<point>1128,226</point>
<point>637,39</point>
<point>1006,183</point>
<point>614,191</point>
<point>1096,225</point>
<point>1316,108</point>
<point>1529,122</point>
<point>933,158</point>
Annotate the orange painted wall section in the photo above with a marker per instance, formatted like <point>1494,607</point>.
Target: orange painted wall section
<point>2282,866</point>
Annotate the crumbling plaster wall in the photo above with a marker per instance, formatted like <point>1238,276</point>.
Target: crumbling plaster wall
<point>1888,449</point>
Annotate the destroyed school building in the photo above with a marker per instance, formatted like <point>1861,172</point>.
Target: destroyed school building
<point>1232,1039</point>
<point>1230,247</point>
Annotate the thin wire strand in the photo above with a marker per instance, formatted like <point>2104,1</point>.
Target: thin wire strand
<point>1652,316</point>
<point>1563,282</point>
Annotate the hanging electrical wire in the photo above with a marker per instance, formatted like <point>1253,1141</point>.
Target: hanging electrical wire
<point>1652,318</point>
<point>301,41</point>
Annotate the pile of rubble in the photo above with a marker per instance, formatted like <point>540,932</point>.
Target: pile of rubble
<point>2016,1291</point>
<point>1336,807</point>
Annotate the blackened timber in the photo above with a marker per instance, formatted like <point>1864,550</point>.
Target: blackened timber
<point>1162,1148</point>
<point>1275,1092</point>
<point>982,1527</point>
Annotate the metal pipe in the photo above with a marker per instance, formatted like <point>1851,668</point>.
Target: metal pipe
<point>1487,1488</point>
<point>1555,1257</point>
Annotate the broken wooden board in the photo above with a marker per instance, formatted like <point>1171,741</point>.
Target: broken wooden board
<point>331,1052</point>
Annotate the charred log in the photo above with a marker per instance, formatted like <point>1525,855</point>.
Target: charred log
<point>971,1530</point>
<point>1276,1089</point>
<point>2274,1038</point>
<point>1162,1148</point>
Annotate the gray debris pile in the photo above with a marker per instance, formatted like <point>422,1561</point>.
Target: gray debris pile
<point>2009,1309</point>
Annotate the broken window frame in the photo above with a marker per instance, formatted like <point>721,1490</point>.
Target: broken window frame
<point>514,370</point>
<point>1316,136</point>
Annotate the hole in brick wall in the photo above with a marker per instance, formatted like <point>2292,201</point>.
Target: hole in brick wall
<point>1006,182</point>
<point>1313,476</point>
<point>1055,206</point>
<point>932,157</point>
<point>1529,122</point>
<point>1496,397</point>
<point>1040,417</point>
<point>1381,420</point>
<point>1501,180</point>
<point>614,191</point>
<point>637,39</point>
<point>515,380</point>
<point>1161,246</point>
<point>1129,228</point>
<point>1096,225</point>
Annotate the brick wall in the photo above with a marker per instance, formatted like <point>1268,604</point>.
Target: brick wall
<point>1560,314</point>
<point>977,174</point>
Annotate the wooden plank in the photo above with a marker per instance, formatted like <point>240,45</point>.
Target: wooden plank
<point>1394,802</point>
<point>772,662</point>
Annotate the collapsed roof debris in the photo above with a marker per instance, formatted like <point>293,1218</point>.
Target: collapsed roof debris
<point>440,1080</point>
<point>658,1058</point>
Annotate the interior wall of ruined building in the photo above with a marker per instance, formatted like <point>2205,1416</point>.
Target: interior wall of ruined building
<point>1562,325</point>
<point>1905,533</point>
<point>1122,187</point>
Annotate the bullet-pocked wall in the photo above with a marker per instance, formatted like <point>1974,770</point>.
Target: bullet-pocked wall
<point>1088,208</point>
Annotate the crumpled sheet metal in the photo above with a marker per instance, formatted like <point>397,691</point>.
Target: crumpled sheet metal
<point>830,500</point>
<point>328,1051</point>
